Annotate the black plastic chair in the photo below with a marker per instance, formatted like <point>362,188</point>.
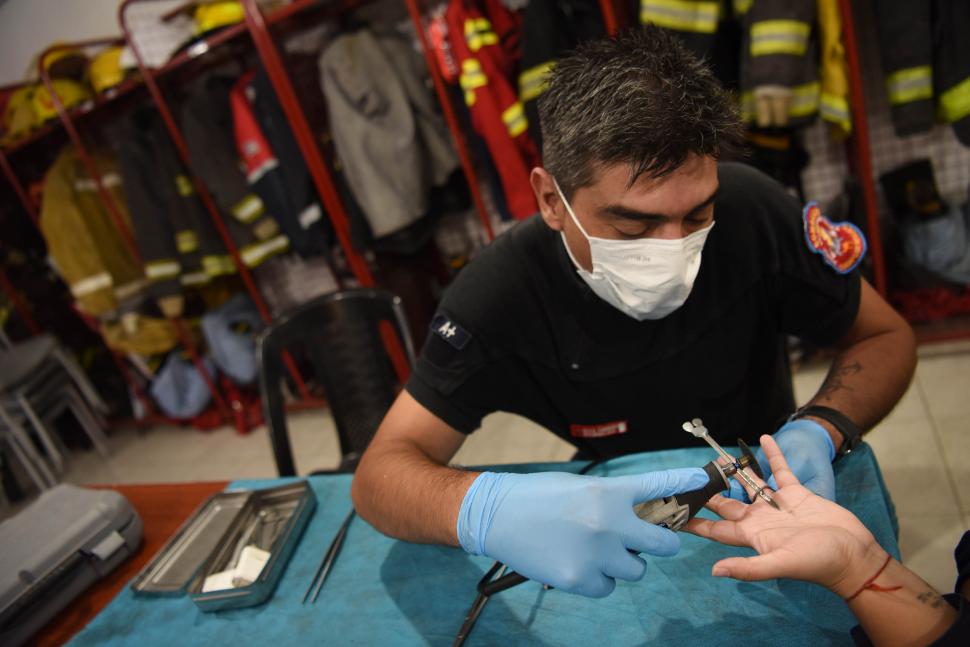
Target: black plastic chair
<point>339,335</point>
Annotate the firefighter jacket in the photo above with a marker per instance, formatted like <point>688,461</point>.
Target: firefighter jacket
<point>779,58</point>
<point>388,136</point>
<point>87,249</point>
<point>707,27</point>
<point>926,63</point>
<point>833,104</point>
<point>177,240</point>
<point>206,120</point>
<point>696,22</point>
<point>274,166</point>
<point>951,64</point>
<point>905,43</point>
<point>483,37</point>
<point>551,28</point>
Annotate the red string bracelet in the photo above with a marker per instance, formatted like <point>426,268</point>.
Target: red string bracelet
<point>870,583</point>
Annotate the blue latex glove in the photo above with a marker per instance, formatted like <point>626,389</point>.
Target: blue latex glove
<point>809,451</point>
<point>570,531</point>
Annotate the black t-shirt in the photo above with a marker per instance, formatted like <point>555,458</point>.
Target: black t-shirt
<point>519,331</point>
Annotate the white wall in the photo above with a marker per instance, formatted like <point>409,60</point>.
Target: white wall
<point>27,27</point>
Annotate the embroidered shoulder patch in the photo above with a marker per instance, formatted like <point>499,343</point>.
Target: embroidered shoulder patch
<point>841,244</point>
<point>451,332</point>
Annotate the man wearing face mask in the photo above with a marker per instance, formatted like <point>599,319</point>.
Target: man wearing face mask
<point>657,284</point>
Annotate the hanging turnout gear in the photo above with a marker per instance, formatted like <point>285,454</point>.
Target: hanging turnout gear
<point>206,120</point>
<point>905,43</point>
<point>834,97</point>
<point>779,63</point>
<point>274,166</point>
<point>951,65</point>
<point>178,242</point>
<point>482,38</point>
<point>84,243</point>
<point>549,29</point>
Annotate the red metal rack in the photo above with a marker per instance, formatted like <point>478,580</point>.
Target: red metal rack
<point>22,310</point>
<point>18,304</point>
<point>415,9</point>
<point>269,55</point>
<point>150,76</point>
<point>112,207</point>
<point>611,15</point>
<point>31,212</point>
<point>861,157</point>
<point>451,118</point>
<point>952,328</point>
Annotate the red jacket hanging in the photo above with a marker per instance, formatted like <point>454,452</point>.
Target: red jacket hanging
<point>273,167</point>
<point>488,63</point>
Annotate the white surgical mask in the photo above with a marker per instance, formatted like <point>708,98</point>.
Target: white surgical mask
<point>646,278</point>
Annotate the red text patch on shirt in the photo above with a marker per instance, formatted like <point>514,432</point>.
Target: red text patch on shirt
<point>599,431</point>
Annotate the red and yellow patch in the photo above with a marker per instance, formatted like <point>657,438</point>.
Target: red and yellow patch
<point>841,244</point>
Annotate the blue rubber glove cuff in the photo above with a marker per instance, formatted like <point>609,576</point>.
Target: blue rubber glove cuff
<point>810,426</point>
<point>477,509</point>
<point>810,452</point>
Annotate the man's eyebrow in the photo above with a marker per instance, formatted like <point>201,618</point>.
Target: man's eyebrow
<point>626,213</point>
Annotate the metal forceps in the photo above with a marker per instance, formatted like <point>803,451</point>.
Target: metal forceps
<point>697,428</point>
<point>497,580</point>
<point>494,574</point>
<point>328,559</point>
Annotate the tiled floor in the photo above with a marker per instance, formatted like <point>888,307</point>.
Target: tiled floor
<point>923,448</point>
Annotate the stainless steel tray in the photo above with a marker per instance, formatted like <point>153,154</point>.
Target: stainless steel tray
<point>211,539</point>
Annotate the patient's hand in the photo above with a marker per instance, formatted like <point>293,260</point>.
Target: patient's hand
<point>810,538</point>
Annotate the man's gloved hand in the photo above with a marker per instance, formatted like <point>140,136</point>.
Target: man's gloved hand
<point>809,450</point>
<point>570,531</point>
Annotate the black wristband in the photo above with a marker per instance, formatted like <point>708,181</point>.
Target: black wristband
<point>851,434</point>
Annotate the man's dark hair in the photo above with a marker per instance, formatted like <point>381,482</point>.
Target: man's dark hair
<point>641,99</point>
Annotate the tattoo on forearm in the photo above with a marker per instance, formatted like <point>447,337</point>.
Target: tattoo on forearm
<point>932,598</point>
<point>835,380</point>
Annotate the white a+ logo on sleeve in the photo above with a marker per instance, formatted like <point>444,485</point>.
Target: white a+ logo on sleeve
<point>450,331</point>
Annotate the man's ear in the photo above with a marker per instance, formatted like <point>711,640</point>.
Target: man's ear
<point>550,206</point>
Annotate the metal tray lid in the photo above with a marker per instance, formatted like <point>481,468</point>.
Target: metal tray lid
<point>171,570</point>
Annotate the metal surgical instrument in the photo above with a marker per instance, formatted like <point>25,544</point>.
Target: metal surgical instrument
<point>696,427</point>
<point>328,559</point>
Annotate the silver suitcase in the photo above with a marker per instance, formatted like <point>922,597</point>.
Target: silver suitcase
<point>54,549</point>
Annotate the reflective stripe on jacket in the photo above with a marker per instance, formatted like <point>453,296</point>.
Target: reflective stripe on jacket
<point>905,44</point>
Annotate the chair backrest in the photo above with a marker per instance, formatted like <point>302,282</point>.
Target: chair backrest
<point>339,334</point>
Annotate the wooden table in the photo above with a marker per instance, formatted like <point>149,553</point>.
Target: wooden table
<point>163,508</point>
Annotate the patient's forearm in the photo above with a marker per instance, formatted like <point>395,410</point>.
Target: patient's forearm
<point>899,608</point>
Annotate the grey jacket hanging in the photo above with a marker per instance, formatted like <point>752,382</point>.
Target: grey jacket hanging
<point>391,142</point>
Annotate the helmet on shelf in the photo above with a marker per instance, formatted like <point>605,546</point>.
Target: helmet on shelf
<point>105,70</point>
<point>213,15</point>
<point>64,63</point>
<point>19,117</point>
<point>70,93</point>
